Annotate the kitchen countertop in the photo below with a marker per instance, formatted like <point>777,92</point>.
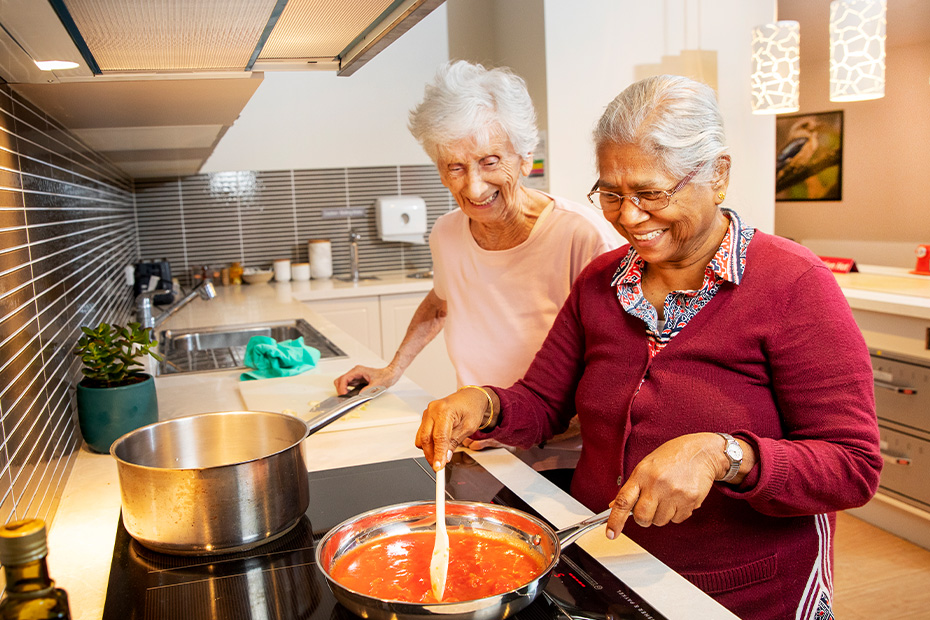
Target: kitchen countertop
<point>890,290</point>
<point>892,308</point>
<point>391,283</point>
<point>82,534</point>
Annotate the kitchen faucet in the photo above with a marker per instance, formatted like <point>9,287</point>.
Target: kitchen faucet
<point>144,303</point>
<point>354,276</point>
<point>354,238</point>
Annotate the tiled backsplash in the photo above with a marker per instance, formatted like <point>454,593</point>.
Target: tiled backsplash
<point>257,217</point>
<point>69,224</point>
<point>67,228</point>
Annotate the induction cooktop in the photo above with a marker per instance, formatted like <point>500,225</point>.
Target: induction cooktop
<point>280,581</point>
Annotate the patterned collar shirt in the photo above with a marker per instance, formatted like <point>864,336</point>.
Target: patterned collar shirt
<point>680,307</point>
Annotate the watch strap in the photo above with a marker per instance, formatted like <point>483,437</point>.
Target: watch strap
<point>734,463</point>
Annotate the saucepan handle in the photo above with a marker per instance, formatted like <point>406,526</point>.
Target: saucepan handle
<point>570,534</point>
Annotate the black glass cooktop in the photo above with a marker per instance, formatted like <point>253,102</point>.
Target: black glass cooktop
<point>279,580</point>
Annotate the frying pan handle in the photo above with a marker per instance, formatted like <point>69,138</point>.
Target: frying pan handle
<point>327,417</point>
<point>570,534</point>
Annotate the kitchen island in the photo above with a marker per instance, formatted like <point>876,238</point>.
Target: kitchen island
<point>892,308</point>
<point>81,539</point>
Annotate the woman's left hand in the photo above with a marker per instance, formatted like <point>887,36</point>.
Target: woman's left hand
<point>669,484</point>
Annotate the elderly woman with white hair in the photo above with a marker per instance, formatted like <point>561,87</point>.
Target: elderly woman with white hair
<point>504,261</point>
<point>723,388</point>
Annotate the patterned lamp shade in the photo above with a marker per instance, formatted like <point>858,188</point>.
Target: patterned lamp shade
<point>857,49</point>
<point>776,67</point>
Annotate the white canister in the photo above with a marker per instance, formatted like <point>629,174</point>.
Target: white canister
<point>300,272</point>
<point>321,258</point>
<point>282,270</point>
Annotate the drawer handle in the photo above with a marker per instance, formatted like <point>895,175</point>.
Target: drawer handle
<point>900,389</point>
<point>893,459</point>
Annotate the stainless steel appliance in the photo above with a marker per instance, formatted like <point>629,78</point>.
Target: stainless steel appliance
<point>219,482</point>
<point>902,402</point>
<point>280,580</point>
<point>223,347</point>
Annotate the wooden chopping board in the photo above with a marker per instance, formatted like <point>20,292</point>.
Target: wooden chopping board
<point>295,395</point>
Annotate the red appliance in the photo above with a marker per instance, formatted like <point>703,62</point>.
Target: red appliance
<point>923,260</point>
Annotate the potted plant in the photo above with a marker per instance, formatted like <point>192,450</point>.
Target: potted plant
<point>115,396</point>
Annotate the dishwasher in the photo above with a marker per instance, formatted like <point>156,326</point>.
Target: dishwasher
<point>902,403</point>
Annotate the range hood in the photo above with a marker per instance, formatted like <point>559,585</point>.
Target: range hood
<point>158,82</point>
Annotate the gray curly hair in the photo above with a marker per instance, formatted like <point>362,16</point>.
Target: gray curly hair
<point>674,118</point>
<point>467,100</point>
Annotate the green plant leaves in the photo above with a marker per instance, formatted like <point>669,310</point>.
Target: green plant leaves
<point>112,354</point>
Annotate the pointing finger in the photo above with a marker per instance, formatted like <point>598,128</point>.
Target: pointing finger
<point>622,507</point>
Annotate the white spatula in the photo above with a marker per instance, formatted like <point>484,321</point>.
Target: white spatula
<point>439,564</point>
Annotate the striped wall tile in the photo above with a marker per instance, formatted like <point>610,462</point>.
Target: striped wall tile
<point>69,224</point>
<point>67,228</point>
<point>257,217</point>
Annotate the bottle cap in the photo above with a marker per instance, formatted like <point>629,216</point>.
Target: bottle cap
<point>22,542</point>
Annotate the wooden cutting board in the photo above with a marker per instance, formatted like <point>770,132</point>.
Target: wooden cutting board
<point>297,394</point>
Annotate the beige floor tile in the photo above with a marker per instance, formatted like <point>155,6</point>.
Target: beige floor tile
<point>877,574</point>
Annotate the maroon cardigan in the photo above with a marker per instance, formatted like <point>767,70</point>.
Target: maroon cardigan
<point>778,361</point>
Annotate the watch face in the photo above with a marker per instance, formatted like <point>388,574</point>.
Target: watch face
<point>735,452</point>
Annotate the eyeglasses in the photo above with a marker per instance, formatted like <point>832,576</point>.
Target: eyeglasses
<point>646,200</point>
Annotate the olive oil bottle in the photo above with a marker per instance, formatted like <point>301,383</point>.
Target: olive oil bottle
<point>30,592</point>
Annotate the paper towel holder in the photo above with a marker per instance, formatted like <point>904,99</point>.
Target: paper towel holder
<point>401,218</point>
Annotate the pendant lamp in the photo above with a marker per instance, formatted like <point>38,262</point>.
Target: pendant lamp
<point>857,49</point>
<point>776,67</point>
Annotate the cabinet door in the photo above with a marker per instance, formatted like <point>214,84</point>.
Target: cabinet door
<point>431,369</point>
<point>360,317</point>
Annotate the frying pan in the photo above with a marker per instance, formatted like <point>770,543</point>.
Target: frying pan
<point>218,482</point>
<point>518,526</point>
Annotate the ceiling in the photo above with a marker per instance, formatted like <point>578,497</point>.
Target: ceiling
<point>158,82</point>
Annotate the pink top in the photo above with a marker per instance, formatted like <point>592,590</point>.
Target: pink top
<point>501,304</point>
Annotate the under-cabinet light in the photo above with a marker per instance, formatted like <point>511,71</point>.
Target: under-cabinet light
<point>55,65</point>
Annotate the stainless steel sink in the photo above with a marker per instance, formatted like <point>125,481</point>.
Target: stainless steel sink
<point>223,347</point>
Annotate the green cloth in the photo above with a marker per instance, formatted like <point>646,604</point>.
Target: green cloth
<point>271,359</point>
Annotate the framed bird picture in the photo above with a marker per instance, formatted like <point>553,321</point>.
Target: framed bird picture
<point>809,156</point>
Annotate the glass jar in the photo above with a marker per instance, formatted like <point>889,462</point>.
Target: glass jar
<point>235,273</point>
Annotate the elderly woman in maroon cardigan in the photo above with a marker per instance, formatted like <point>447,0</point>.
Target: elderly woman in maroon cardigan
<point>723,388</point>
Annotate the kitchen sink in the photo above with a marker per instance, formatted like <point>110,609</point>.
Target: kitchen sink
<point>223,347</point>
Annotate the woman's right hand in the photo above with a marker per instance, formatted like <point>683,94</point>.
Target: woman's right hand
<point>449,421</point>
<point>386,376</point>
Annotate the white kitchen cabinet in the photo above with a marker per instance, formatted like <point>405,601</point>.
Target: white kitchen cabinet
<point>431,369</point>
<point>380,323</point>
<point>360,317</point>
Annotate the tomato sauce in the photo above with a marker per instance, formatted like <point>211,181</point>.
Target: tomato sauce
<point>397,567</point>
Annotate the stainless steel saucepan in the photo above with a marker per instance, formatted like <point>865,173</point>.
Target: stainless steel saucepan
<point>218,482</point>
<point>522,528</point>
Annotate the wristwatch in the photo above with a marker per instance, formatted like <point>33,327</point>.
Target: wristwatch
<point>734,452</point>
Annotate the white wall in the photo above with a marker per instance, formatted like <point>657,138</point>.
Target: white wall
<point>318,120</point>
<point>885,145</point>
<point>314,119</point>
<point>483,31</point>
<point>592,47</point>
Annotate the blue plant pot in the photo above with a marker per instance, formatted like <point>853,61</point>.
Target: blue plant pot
<point>106,414</point>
